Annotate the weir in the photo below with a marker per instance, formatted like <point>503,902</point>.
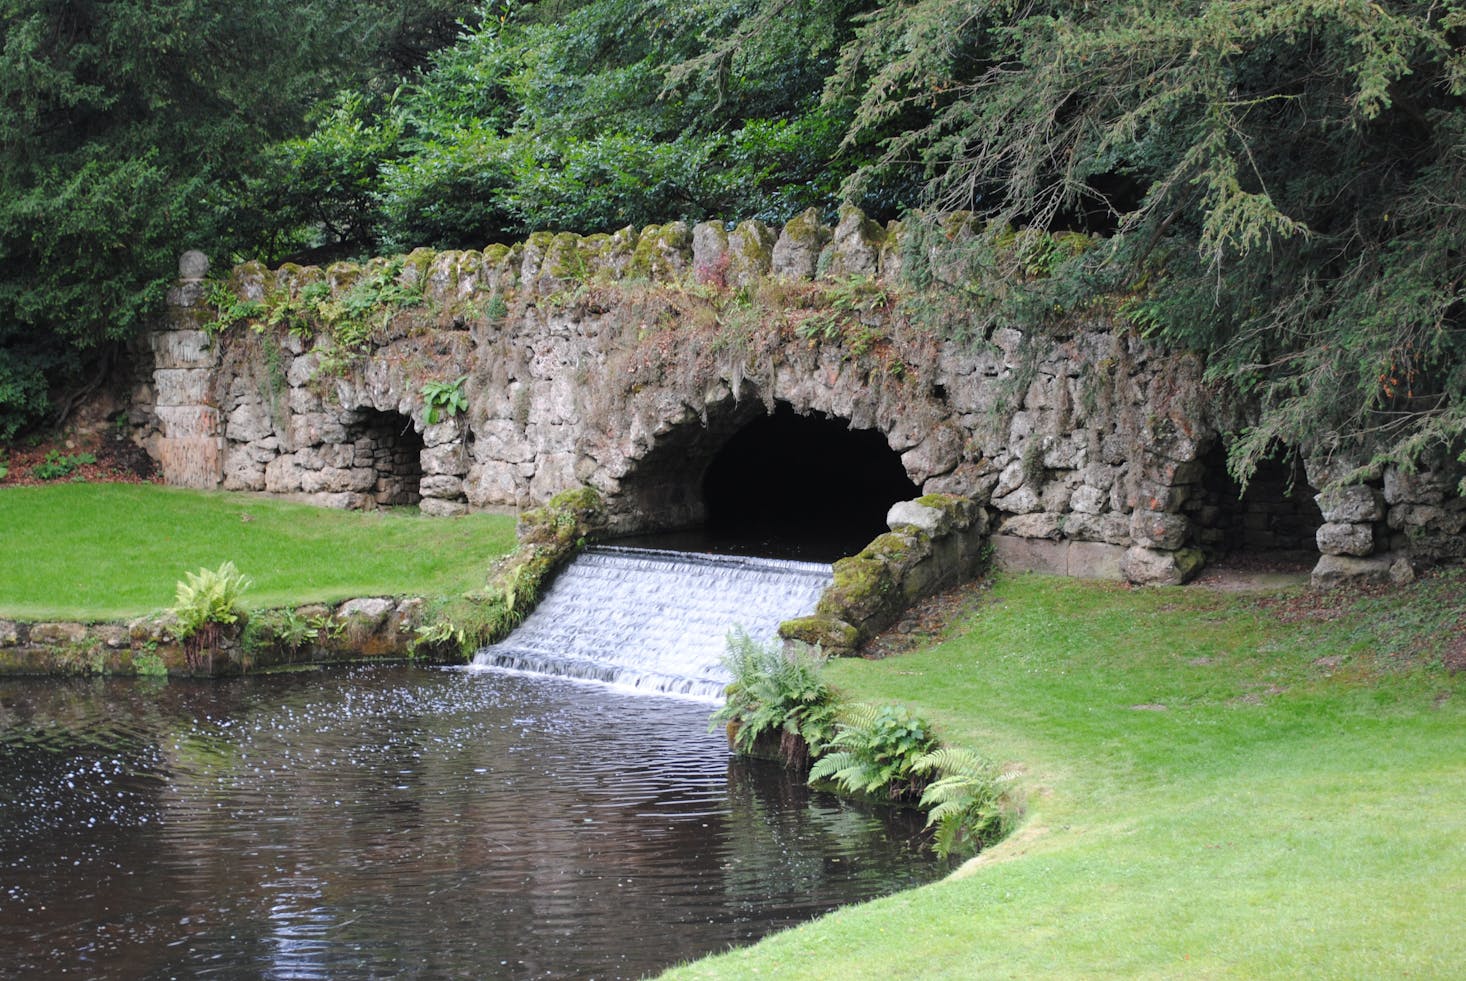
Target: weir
<point>655,621</point>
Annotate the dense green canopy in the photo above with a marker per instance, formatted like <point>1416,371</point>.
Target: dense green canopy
<point>1278,185</point>
<point>134,129</point>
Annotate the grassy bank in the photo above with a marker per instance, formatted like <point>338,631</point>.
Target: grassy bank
<point>109,551</point>
<point>1216,787</point>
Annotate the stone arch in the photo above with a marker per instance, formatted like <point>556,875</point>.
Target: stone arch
<point>749,471</point>
<point>389,444</point>
<point>1275,514</point>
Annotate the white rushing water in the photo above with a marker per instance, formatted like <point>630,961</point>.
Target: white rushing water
<point>656,621</point>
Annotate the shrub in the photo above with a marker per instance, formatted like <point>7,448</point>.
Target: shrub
<point>205,602</point>
<point>875,751</point>
<point>968,803</point>
<point>149,665</point>
<point>56,465</point>
<point>776,692</point>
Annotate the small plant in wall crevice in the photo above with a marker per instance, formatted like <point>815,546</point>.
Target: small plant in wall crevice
<point>444,399</point>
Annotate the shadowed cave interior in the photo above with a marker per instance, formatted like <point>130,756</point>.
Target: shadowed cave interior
<point>806,481</point>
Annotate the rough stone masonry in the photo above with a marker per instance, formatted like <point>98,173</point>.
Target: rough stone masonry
<point>626,362</point>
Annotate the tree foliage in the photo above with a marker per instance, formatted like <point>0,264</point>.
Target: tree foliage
<point>590,116</point>
<point>1282,183</point>
<point>133,129</point>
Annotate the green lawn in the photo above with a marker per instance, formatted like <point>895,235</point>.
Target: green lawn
<point>1213,791</point>
<point>107,551</point>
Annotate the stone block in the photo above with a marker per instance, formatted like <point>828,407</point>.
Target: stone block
<point>750,252</point>
<point>114,636</point>
<point>1021,501</point>
<point>9,633</point>
<point>58,634</point>
<point>190,461</point>
<point>283,475</point>
<point>1038,525</point>
<point>1335,570</point>
<point>1157,529</point>
<point>249,422</point>
<point>1088,500</point>
<point>1354,504</point>
<point>1014,554</point>
<point>1345,539</point>
<point>1110,527</point>
<point>797,251</point>
<point>831,635</point>
<point>710,260</point>
<point>187,422</point>
<point>1095,560</point>
<point>495,484</point>
<point>856,245</point>
<point>1153,567</point>
<point>913,514</point>
<point>436,507</point>
<point>937,454</point>
<point>450,459</point>
<point>181,349</point>
<point>863,593</point>
<point>442,485</point>
<point>1421,487</point>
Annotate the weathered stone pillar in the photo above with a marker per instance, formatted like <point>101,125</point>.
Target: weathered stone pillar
<point>188,444</point>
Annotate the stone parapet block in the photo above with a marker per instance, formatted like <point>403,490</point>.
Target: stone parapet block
<point>1354,504</point>
<point>1340,538</point>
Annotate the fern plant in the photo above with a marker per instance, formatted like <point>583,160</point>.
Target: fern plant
<point>205,602</point>
<point>874,753</point>
<point>969,804</point>
<point>774,691</point>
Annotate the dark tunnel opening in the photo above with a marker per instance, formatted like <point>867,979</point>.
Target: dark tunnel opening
<point>806,484</point>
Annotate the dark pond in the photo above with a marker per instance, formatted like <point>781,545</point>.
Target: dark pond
<point>399,822</point>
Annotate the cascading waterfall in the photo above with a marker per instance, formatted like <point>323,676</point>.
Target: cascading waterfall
<point>655,621</point>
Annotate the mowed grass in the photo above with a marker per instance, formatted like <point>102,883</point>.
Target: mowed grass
<point>108,551</point>
<point>1216,788</point>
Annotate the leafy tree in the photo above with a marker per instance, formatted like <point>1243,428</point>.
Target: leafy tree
<point>1282,181</point>
<point>596,114</point>
<point>133,128</point>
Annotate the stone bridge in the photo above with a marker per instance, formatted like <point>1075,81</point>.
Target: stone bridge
<point>700,375</point>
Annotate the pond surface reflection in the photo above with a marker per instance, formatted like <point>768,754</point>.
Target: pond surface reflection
<point>406,823</point>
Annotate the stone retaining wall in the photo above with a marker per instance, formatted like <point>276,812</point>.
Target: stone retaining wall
<point>356,630</point>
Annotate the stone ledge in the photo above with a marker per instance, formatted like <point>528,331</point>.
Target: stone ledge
<point>354,630</point>
<point>1082,560</point>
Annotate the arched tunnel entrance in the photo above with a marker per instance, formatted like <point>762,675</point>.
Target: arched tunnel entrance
<point>804,478</point>
<point>1275,519</point>
<point>780,484</point>
<point>388,443</point>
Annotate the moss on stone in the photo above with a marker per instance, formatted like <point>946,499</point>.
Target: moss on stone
<point>342,275</point>
<point>960,511</point>
<point>568,517</point>
<point>750,252</point>
<point>415,266</point>
<point>862,591</point>
<point>565,259</point>
<point>1189,562</point>
<point>595,254</point>
<point>831,635</point>
<point>661,252</point>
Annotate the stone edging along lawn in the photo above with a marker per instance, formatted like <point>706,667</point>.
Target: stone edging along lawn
<point>371,628</point>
